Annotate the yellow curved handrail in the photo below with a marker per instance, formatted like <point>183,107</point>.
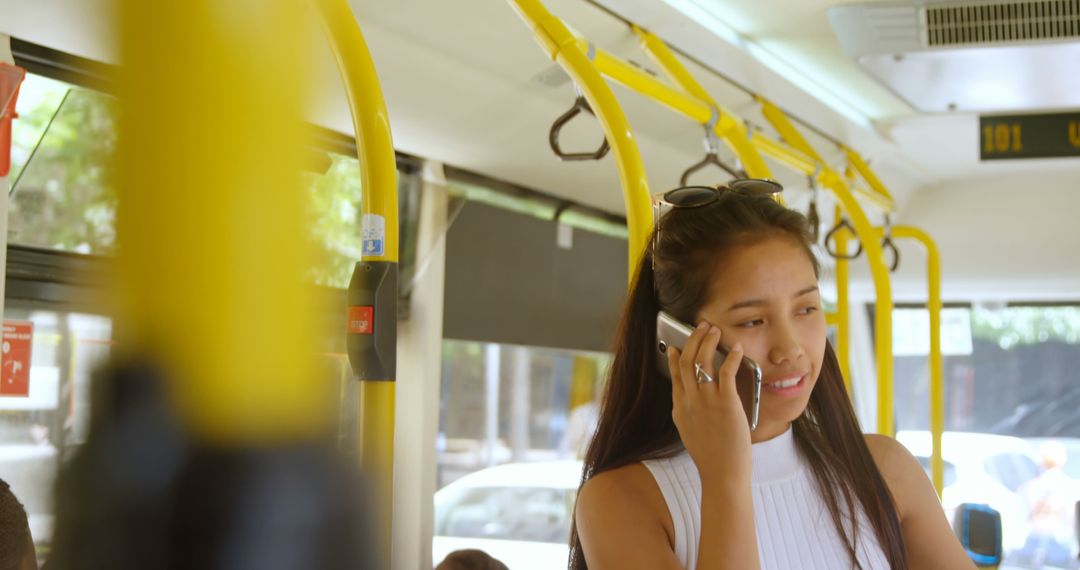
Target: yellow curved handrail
<point>866,233</point>
<point>563,47</point>
<point>728,128</point>
<point>371,122</point>
<point>937,385</point>
<point>843,304</point>
<point>879,193</point>
<point>694,102</point>
<point>379,206</point>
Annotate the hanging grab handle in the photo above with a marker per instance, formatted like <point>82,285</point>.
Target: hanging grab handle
<point>712,153</point>
<point>843,223</point>
<point>814,221</point>
<point>711,158</point>
<point>812,218</point>
<point>580,104</point>
<point>887,243</point>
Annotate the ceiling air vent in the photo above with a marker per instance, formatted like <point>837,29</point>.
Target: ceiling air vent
<point>997,23</point>
<point>982,56</point>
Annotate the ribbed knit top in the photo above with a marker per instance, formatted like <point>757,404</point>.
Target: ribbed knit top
<point>793,524</point>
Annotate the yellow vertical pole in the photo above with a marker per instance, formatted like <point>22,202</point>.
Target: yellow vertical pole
<point>210,272</point>
<point>937,385</point>
<point>866,234</point>
<point>582,381</point>
<point>728,128</point>
<point>561,45</point>
<point>379,206</point>
<point>843,305</point>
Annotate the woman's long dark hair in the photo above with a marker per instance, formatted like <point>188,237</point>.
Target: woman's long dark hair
<point>635,415</point>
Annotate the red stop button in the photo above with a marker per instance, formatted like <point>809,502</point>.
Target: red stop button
<point>361,320</point>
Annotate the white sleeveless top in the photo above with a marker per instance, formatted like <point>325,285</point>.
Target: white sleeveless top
<point>793,524</point>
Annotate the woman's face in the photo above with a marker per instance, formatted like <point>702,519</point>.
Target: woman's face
<point>765,295</point>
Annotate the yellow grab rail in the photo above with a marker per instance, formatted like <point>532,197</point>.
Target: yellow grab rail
<point>843,304</point>
<point>379,207</point>
<point>866,233</point>
<point>644,84</point>
<point>798,161</point>
<point>884,204</point>
<point>878,192</point>
<point>561,45</point>
<point>585,63</point>
<point>371,122</point>
<point>728,128</point>
<point>937,385</point>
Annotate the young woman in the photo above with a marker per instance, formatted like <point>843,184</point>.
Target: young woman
<point>675,478</point>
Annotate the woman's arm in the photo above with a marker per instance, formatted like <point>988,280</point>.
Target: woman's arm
<point>620,521</point>
<point>621,514</point>
<point>928,537</point>
<point>728,536</point>
<point>623,522</point>
<point>710,418</point>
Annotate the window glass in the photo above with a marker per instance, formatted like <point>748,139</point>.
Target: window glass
<point>334,219</point>
<point>43,425</point>
<point>949,470</point>
<point>63,187</point>
<point>1012,469</point>
<point>514,423</point>
<point>1012,415</point>
<point>63,192</point>
<point>532,514</point>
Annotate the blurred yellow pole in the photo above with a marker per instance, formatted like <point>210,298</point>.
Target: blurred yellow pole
<point>212,248</point>
<point>582,381</point>
<point>379,205</point>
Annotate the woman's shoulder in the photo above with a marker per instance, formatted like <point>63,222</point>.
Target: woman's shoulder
<point>629,481</point>
<point>620,495</point>
<point>903,474</point>
<point>890,454</point>
<point>928,536</point>
<point>635,478</point>
<point>881,446</point>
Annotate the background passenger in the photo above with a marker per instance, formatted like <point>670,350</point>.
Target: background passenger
<point>16,544</point>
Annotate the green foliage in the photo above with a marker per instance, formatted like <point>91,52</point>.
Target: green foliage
<point>334,218</point>
<point>1017,326</point>
<point>66,198</point>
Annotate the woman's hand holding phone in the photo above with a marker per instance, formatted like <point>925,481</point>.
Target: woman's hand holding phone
<point>709,415</point>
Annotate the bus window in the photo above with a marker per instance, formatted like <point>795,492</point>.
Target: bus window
<point>44,426</point>
<point>63,195</point>
<point>1010,415</point>
<point>514,422</point>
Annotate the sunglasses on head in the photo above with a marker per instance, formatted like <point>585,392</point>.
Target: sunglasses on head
<point>699,196</point>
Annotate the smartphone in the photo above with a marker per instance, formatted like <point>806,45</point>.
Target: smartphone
<point>672,332</point>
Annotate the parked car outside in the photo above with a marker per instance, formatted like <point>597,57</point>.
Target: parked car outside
<point>519,513</point>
